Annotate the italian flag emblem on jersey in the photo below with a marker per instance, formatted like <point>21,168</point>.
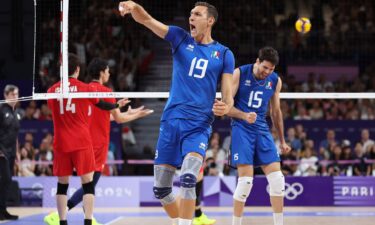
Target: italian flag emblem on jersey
<point>269,85</point>
<point>215,54</point>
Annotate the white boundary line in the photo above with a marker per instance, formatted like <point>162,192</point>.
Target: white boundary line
<point>115,220</point>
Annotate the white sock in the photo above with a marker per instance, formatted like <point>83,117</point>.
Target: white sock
<point>174,221</point>
<point>184,222</point>
<point>278,218</point>
<point>236,220</point>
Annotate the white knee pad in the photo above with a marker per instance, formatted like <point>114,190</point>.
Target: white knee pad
<point>276,181</point>
<point>243,188</point>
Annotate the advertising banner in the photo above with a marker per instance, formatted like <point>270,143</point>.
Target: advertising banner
<point>109,192</point>
<point>354,191</point>
<point>217,191</point>
<point>306,191</point>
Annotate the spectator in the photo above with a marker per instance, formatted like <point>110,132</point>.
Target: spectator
<point>26,165</point>
<point>316,111</point>
<point>329,141</point>
<point>360,168</point>
<point>217,153</point>
<point>365,140</point>
<point>291,138</point>
<point>371,166</point>
<point>308,164</point>
<point>211,168</point>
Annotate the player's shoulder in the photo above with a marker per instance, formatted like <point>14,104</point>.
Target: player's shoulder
<point>221,46</point>
<point>52,89</point>
<point>81,86</point>
<point>274,76</point>
<point>174,28</point>
<point>244,69</point>
<point>99,87</point>
<point>174,31</point>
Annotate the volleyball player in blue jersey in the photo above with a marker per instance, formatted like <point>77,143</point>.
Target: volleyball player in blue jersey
<point>199,63</point>
<point>254,86</point>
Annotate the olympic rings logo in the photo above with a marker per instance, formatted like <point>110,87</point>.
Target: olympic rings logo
<point>292,191</point>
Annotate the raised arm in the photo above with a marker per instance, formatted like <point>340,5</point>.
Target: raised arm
<point>141,16</point>
<point>277,117</point>
<point>234,112</point>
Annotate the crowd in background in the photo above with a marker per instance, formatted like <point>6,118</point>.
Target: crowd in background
<point>343,33</point>
<point>329,157</point>
<point>95,30</point>
<point>36,159</point>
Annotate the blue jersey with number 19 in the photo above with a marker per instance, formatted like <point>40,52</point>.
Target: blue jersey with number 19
<point>197,68</point>
<point>253,96</point>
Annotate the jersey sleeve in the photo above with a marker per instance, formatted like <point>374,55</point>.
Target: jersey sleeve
<point>228,62</point>
<point>175,36</point>
<point>110,100</point>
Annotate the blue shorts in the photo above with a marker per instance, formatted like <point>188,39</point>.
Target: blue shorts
<point>179,137</point>
<point>251,148</point>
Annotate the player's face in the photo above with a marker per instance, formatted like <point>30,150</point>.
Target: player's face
<point>106,75</point>
<point>264,69</point>
<point>13,95</point>
<point>199,21</point>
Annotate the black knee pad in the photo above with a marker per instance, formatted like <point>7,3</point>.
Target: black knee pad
<point>162,192</point>
<point>188,180</point>
<point>62,189</point>
<point>89,188</point>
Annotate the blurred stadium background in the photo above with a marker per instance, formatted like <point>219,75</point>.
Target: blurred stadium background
<point>329,137</point>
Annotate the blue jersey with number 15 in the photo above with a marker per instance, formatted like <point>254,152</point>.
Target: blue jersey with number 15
<point>253,96</point>
<point>197,68</point>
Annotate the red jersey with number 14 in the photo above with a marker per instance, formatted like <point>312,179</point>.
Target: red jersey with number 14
<point>71,118</point>
<point>101,124</point>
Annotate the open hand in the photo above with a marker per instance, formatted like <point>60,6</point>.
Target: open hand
<point>123,102</point>
<point>139,112</point>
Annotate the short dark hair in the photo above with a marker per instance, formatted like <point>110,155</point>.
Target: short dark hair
<point>211,10</point>
<point>10,88</point>
<point>74,63</point>
<point>268,54</point>
<point>95,67</point>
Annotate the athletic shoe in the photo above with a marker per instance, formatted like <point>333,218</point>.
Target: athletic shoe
<point>203,220</point>
<point>52,219</point>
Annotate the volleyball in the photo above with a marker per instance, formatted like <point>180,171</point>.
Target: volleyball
<point>303,25</point>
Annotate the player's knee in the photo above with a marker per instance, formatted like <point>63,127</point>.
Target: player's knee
<point>88,188</point>
<point>189,170</point>
<point>243,189</point>
<point>276,182</point>
<point>163,184</point>
<point>188,182</point>
<point>62,189</point>
<point>164,194</point>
